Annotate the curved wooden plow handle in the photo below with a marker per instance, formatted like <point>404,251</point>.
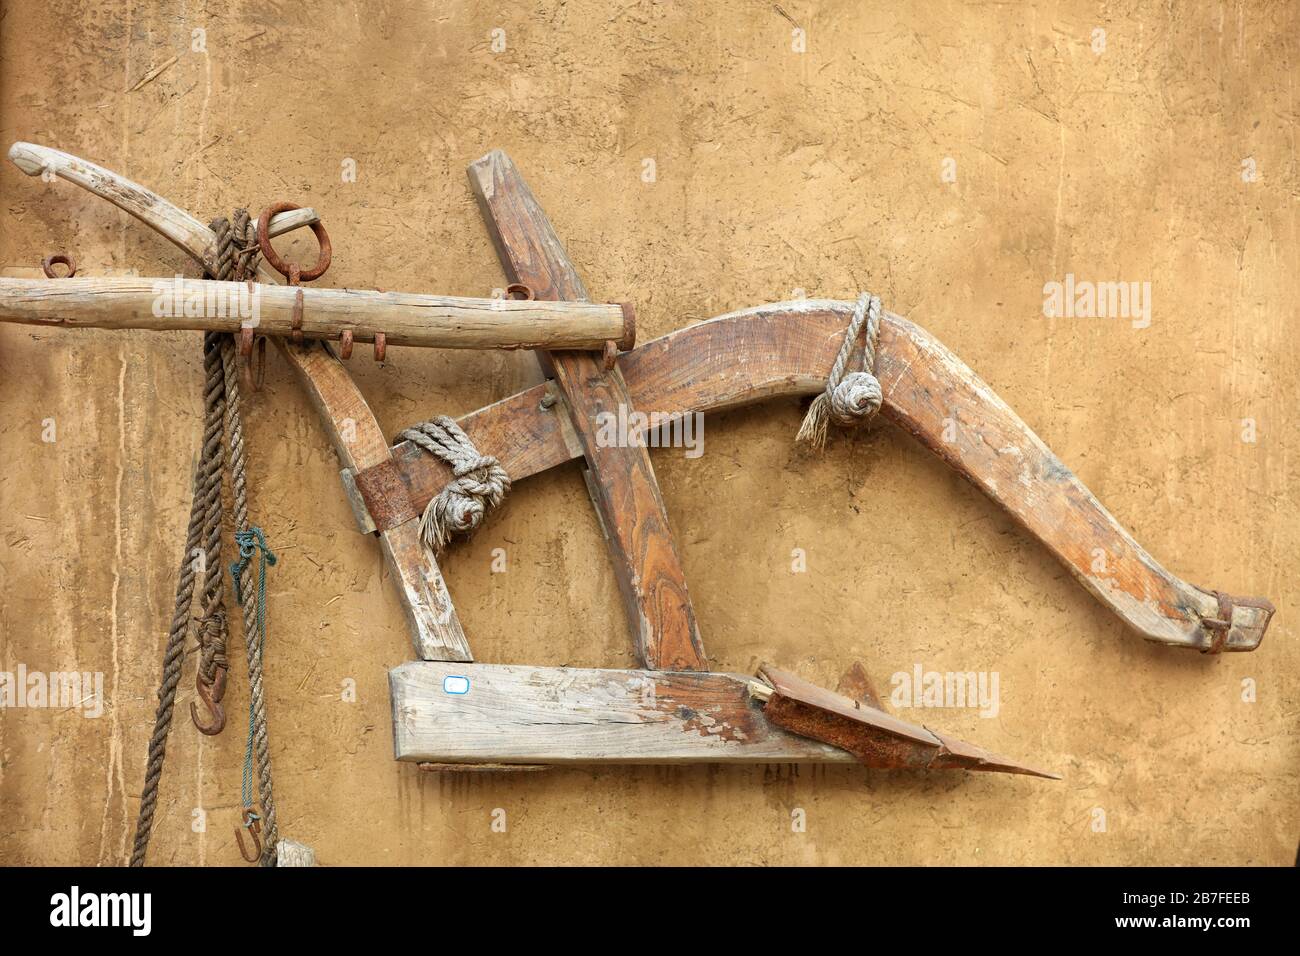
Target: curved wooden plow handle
<point>786,349</point>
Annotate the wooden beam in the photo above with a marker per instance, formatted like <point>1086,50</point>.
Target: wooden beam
<point>516,714</point>
<point>403,318</point>
<point>620,479</point>
<point>787,349</point>
<point>435,629</point>
<point>503,715</point>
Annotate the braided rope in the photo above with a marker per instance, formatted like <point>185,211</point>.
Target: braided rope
<point>252,613</point>
<point>206,498</point>
<point>478,485</point>
<point>853,397</point>
<point>234,258</point>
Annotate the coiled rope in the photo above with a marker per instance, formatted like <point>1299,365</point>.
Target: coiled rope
<point>851,398</point>
<point>478,485</point>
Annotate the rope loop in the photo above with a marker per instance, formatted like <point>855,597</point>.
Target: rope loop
<point>851,398</point>
<point>478,484</point>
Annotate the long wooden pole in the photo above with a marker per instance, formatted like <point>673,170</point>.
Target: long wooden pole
<point>403,318</point>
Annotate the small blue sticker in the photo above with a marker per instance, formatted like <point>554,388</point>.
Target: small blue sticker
<point>456,685</point>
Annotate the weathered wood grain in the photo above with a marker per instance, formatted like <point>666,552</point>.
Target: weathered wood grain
<point>435,629</point>
<point>787,349</point>
<point>404,318</point>
<point>175,224</point>
<point>565,715</point>
<point>620,479</point>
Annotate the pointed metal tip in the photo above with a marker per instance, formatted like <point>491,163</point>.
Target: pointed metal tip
<point>958,753</point>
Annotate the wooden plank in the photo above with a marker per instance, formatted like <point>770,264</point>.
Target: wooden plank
<point>787,348</point>
<point>514,714</point>
<point>403,318</point>
<point>435,629</point>
<point>620,479</point>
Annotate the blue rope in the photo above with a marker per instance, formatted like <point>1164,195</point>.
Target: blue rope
<point>252,542</point>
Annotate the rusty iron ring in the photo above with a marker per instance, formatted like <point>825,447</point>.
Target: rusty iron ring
<point>381,346</point>
<point>521,292</point>
<point>292,273</point>
<point>59,258</point>
<point>345,344</point>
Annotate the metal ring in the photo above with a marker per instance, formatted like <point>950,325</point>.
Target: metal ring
<point>273,257</point>
<point>381,346</point>
<point>59,258</point>
<point>345,344</point>
<point>611,353</point>
<point>517,290</point>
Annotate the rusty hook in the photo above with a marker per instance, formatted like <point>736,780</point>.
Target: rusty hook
<point>253,371</point>
<point>253,824</point>
<point>211,695</point>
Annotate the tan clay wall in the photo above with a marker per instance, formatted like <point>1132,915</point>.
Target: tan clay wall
<point>776,171</point>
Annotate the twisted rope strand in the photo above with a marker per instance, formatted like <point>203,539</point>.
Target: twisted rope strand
<point>206,476</point>
<point>854,397</point>
<point>234,258</point>
<point>478,485</point>
<point>253,614</point>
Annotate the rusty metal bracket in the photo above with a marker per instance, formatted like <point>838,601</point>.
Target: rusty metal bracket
<point>876,738</point>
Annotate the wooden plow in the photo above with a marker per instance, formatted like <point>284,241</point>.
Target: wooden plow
<point>450,712</point>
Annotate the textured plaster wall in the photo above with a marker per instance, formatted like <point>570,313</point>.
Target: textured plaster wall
<point>1115,158</point>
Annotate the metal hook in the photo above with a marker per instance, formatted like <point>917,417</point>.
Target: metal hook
<point>253,824</point>
<point>253,369</point>
<point>211,695</point>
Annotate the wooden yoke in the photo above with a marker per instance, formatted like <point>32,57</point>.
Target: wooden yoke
<point>352,427</point>
<point>620,479</point>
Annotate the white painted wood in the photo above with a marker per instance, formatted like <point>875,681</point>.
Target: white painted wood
<point>431,321</point>
<point>568,715</point>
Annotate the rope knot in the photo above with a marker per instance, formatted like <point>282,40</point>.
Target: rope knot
<point>478,485</point>
<point>851,398</point>
<point>855,399</point>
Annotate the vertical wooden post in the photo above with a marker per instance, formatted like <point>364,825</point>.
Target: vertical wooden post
<point>620,479</point>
